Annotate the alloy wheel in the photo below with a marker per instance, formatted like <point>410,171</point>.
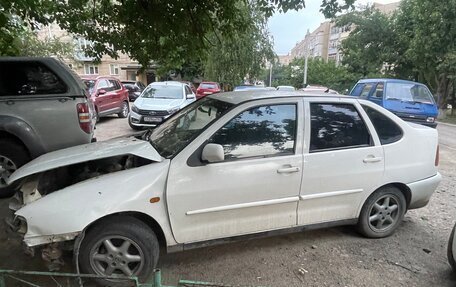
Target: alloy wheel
<point>384,213</point>
<point>116,255</point>
<point>125,110</point>
<point>7,167</point>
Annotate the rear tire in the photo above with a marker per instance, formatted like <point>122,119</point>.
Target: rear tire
<point>125,109</point>
<point>12,156</point>
<point>120,245</point>
<point>382,213</point>
<point>451,258</point>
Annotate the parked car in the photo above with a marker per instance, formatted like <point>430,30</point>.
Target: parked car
<point>318,89</point>
<point>228,166</point>
<point>134,88</point>
<point>285,88</point>
<point>207,88</point>
<point>410,101</point>
<point>452,249</point>
<point>158,102</point>
<point>108,95</point>
<point>43,107</point>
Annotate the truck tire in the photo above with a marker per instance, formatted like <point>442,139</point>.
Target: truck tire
<point>119,245</point>
<point>12,156</point>
<point>382,213</point>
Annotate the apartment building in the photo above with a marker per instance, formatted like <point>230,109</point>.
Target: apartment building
<point>324,42</point>
<point>123,68</point>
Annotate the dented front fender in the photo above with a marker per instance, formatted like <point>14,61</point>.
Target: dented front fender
<point>65,213</point>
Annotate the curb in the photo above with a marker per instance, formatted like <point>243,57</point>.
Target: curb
<point>446,124</point>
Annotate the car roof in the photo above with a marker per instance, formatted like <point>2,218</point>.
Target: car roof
<point>215,83</point>
<point>96,78</point>
<point>251,95</point>
<point>389,80</point>
<point>168,83</point>
<point>128,82</point>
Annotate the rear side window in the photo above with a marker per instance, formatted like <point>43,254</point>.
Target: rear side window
<point>337,126</point>
<point>387,130</point>
<point>29,78</point>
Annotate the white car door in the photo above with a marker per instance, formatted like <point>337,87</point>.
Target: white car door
<point>343,161</point>
<point>189,96</point>
<point>255,189</point>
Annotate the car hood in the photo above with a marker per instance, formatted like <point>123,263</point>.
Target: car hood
<point>87,152</point>
<point>157,104</point>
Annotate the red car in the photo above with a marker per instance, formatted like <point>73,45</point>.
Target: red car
<point>108,95</point>
<point>207,88</point>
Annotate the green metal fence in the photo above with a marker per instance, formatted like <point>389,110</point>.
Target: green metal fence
<point>11,278</point>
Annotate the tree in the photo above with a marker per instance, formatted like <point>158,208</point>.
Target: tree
<point>426,34</point>
<point>370,43</point>
<point>319,72</point>
<point>243,54</point>
<point>418,42</point>
<point>170,32</point>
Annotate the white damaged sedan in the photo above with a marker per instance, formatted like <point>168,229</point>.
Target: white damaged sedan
<point>229,166</point>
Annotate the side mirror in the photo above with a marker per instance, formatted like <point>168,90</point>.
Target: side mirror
<point>190,96</point>
<point>101,92</point>
<point>213,153</point>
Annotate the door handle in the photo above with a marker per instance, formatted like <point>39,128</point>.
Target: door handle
<point>289,169</point>
<point>370,159</point>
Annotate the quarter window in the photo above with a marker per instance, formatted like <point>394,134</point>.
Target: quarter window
<point>30,78</point>
<point>336,126</point>
<point>259,132</point>
<point>387,130</point>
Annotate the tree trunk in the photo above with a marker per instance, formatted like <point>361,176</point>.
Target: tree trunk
<point>442,94</point>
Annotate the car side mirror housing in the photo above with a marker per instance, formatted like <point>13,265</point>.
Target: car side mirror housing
<point>190,96</point>
<point>213,153</point>
<point>101,92</point>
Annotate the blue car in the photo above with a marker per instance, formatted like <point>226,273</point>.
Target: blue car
<point>409,100</point>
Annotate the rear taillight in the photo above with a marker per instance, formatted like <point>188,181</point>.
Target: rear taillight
<point>85,122</point>
<point>437,156</point>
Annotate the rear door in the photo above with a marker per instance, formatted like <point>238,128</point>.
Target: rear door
<point>117,94</point>
<point>343,161</point>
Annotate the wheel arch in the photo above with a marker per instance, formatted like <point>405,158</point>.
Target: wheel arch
<point>405,190</point>
<point>148,220</point>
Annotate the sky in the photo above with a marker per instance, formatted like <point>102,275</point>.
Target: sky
<point>289,28</point>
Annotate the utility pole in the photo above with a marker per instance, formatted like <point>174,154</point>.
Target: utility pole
<point>270,75</point>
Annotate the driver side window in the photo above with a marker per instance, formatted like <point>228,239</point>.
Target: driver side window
<point>259,132</point>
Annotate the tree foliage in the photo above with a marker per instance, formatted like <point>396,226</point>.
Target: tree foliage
<point>319,72</point>
<point>418,42</point>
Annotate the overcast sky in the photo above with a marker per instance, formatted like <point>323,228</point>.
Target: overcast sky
<point>291,27</point>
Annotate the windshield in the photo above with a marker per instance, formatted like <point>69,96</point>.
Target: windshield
<point>174,134</point>
<point>408,93</point>
<point>163,92</point>
<point>208,86</point>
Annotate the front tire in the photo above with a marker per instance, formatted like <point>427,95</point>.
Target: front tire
<point>125,109</point>
<point>382,213</point>
<point>120,245</point>
<point>12,156</point>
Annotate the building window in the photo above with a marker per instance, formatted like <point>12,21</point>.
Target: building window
<point>84,44</point>
<point>90,69</point>
<point>114,69</point>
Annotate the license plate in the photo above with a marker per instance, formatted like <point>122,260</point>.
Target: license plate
<point>152,119</point>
